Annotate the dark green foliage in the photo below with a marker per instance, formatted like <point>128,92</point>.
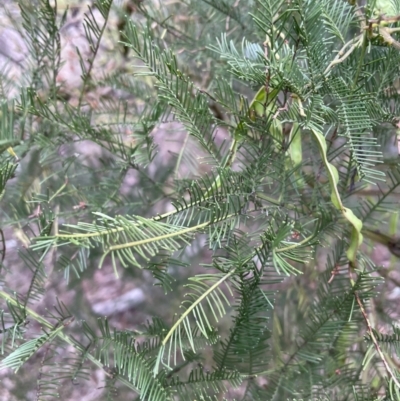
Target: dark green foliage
<point>251,222</point>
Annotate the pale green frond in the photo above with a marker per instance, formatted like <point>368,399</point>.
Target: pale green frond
<point>94,30</point>
<point>338,17</point>
<point>206,300</point>
<point>227,150</point>
<point>123,237</point>
<point>39,277</point>
<point>245,349</point>
<point>12,326</point>
<point>249,66</point>
<point>189,105</point>
<point>41,34</point>
<point>7,171</point>
<point>370,211</point>
<point>287,254</point>
<point>18,357</point>
<point>117,350</point>
<point>270,17</point>
<point>75,264</point>
<point>27,349</point>
<point>8,120</point>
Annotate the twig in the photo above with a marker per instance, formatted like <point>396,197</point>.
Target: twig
<point>383,32</point>
<point>340,56</point>
<point>87,75</point>
<point>335,272</point>
<point>375,341</point>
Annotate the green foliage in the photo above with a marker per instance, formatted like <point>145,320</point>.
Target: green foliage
<point>257,212</point>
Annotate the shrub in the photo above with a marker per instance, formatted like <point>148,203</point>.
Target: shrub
<point>240,154</point>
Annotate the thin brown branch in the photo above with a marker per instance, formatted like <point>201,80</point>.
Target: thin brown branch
<point>375,341</point>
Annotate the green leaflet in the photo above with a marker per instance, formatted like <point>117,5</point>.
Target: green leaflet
<point>295,152</point>
<point>333,176</point>
<point>260,104</point>
<point>295,148</point>
<point>264,104</point>
<point>7,145</point>
<point>384,7</point>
